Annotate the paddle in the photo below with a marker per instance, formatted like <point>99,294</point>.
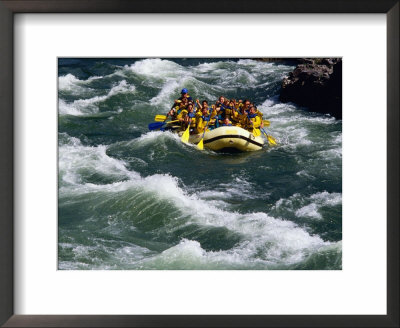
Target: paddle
<point>270,139</point>
<point>163,118</point>
<point>200,145</point>
<point>266,122</point>
<point>186,134</point>
<point>256,132</point>
<point>158,125</point>
<point>160,118</point>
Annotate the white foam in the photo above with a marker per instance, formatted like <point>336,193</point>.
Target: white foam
<point>272,108</point>
<point>170,77</point>
<point>330,154</point>
<point>159,137</point>
<point>130,254</point>
<point>170,88</point>
<point>207,68</point>
<point>74,158</point>
<point>292,137</point>
<point>308,206</point>
<point>156,67</point>
<point>326,198</point>
<point>237,188</point>
<point>74,86</point>
<point>65,139</point>
<point>285,245</point>
<point>291,126</point>
<point>285,239</point>
<point>305,174</point>
<point>67,109</point>
<point>126,255</point>
<point>296,116</point>
<point>90,105</point>
<point>310,210</point>
<point>68,83</point>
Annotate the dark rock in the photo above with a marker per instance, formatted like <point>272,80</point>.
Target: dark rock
<point>289,61</point>
<point>317,85</point>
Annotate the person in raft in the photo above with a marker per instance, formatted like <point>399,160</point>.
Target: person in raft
<point>205,119</point>
<point>226,122</point>
<point>220,108</point>
<point>246,105</point>
<point>230,109</point>
<point>202,119</point>
<point>177,109</point>
<point>190,118</point>
<point>257,112</point>
<point>254,120</point>
<point>180,104</point>
<point>220,102</point>
<point>185,95</point>
<point>186,115</point>
<point>204,104</point>
<point>239,118</point>
<point>225,112</point>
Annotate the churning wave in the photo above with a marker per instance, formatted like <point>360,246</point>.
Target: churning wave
<point>264,241</point>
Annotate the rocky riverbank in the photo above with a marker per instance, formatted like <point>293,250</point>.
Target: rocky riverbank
<point>316,84</point>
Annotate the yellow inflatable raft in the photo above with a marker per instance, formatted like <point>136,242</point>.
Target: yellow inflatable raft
<point>228,138</point>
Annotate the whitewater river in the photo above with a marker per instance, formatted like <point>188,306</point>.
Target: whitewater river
<point>134,199</point>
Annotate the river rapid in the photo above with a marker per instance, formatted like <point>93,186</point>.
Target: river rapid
<point>134,199</point>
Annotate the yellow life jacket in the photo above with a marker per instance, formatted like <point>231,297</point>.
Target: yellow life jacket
<point>241,119</point>
<point>228,112</point>
<point>182,114</point>
<point>234,117</point>
<point>193,122</point>
<point>202,122</point>
<point>255,119</point>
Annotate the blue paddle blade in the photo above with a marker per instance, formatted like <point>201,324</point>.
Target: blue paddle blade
<point>156,125</point>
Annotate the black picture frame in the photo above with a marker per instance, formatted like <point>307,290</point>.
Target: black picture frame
<point>10,7</point>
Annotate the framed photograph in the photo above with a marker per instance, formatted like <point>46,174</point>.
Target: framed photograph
<point>205,165</point>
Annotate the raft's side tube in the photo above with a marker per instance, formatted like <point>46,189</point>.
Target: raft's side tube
<point>230,137</point>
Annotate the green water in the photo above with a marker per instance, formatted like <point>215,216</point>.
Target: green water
<point>134,199</point>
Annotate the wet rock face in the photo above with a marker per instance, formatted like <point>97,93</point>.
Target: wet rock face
<point>316,84</point>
